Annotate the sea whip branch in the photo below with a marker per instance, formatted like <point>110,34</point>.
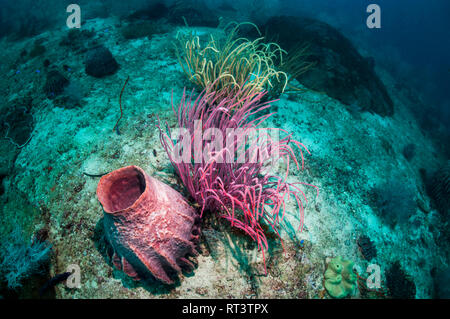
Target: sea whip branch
<point>120,104</point>
<point>240,189</point>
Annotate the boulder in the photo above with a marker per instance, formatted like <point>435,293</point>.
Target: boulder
<point>100,62</point>
<point>340,71</point>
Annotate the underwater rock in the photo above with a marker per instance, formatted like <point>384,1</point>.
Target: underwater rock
<point>399,284</point>
<point>340,280</point>
<point>77,39</point>
<point>150,226</point>
<point>180,12</point>
<point>55,84</point>
<point>144,29</point>
<point>193,13</point>
<point>341,71</point>
<point>367,248</point>
<point>153,11</point>
<point>100,62</point>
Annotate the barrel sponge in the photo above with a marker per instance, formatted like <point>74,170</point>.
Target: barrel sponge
<point>340,280</point>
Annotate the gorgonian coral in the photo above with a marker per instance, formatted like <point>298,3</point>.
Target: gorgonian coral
<point>233,63</point>
<point>226,159</point>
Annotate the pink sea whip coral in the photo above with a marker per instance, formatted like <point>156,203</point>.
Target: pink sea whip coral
<point>227,160</point>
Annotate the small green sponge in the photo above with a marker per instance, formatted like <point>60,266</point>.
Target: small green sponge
<point>340,280</point>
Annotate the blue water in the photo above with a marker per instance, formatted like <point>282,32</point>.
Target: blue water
<point>418,29</point>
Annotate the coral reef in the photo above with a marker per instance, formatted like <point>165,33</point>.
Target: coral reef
<point>232,64</point>
<point>294,65</point>
<point>340,280</point>
<point>100,62</point>
<point>150,226</point>
<point>235,180</point>
<point>44,187</point>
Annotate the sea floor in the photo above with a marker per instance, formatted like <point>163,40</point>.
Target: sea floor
<point>350,154</point>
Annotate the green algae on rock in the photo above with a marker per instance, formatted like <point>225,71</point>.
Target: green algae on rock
<point>340,280</point>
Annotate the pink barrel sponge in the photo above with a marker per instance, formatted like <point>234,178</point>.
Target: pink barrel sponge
<point>150,226</point>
